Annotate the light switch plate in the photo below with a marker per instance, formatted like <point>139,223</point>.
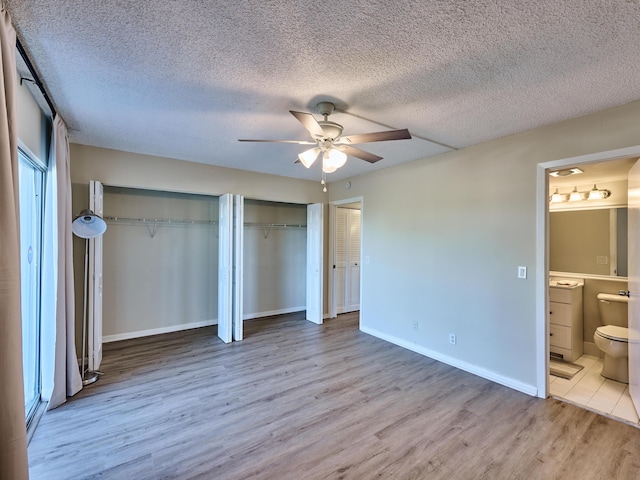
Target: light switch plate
<point>522,272</point>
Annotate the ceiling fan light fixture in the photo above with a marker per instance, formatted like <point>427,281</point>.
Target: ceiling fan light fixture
<point>309,156</point>
<point>335,158</point>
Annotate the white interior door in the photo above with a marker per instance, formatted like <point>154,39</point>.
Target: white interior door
<point>315,231</point>
<point>225,290</point>
<point>634,284</point>
<point>340,265</point>
<point>238,254</point>
<point>347,260</point>
<point>94,347</point>
<point>353,286</point>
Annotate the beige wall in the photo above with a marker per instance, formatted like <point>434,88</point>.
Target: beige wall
<point>446,234</point>
<point>123,169</point>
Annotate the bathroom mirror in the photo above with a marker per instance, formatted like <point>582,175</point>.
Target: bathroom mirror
<point>589,241</point>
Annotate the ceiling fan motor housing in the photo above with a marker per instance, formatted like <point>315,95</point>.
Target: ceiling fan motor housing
<point>331,129</point>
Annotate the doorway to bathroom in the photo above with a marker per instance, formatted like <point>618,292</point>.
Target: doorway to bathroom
<point>602,270</point>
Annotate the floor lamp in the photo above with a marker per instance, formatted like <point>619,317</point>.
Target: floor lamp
<point>87,225</point>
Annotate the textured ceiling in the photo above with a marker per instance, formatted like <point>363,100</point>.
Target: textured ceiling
<point>185,79</point>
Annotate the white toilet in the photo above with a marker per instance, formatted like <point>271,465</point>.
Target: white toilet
<point>613,337</point>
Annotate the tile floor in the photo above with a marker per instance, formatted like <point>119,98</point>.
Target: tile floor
<point>591,390</point>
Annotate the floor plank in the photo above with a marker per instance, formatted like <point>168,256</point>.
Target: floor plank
<point>298,400</point>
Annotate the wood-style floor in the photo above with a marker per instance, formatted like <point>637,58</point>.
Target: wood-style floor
<point>295,400</point>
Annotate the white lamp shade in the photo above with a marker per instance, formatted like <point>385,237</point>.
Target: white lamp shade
<point>333,159</point>
<point>88,225</point>
<point>328,168</point>
<point>309,156</point>
<point>575,195</point>
<point>557,197</point>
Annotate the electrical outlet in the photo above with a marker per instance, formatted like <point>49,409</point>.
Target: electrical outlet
<point>602,260</point>
<point>416,325</point>
<point>452,338</point>
<point>522,272</point>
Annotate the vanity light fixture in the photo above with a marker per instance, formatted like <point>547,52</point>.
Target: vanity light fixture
<point>596,194</point>
<point>575,195</point>
<point>558,197</point>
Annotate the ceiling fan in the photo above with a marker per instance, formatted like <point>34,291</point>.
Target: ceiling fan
<point>328,140</point>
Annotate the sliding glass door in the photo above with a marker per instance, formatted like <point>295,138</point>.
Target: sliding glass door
<point>31,176</point>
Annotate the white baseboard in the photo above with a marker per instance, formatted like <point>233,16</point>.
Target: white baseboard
<point>188,326</point>
<point>156,331</point>
<point>454,362</point>
<point>251,316</point>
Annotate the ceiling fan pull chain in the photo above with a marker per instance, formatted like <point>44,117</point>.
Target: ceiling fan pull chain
<point>323,182</point>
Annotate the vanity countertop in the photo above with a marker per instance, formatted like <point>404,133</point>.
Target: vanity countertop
<point>566,283</point>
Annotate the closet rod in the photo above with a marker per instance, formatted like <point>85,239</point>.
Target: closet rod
<point>166,221</point>
<point>272,225</point>
<point>36,78</point>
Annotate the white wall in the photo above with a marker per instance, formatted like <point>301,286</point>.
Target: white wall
<point>124,169</point>
<point>446,234</point>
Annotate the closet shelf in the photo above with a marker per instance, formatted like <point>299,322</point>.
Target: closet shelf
<point>153,223</point>
<point>270,226</point>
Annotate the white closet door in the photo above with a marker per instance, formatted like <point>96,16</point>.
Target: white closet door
<point>238,254</point>
<point>634,284</point>
<point>341,258</point>
<point>353,293</point>
<point>225,260</point>
<point>347,260</point>
<point>315,231</point>
<point>94,347</point>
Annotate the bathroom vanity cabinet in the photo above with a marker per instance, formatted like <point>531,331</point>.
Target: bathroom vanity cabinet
<point>565,321</point>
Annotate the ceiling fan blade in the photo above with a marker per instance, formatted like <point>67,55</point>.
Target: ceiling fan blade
<point>309,122</point>
<point>361,154</point>
<point>377,137</point>
<point>299,142</point>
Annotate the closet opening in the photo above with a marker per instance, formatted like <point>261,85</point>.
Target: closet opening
<point>160,262</point>
<point>274,258</point>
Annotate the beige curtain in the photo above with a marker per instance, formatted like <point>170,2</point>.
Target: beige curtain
<point>66,375</point>
<point>13,434</point>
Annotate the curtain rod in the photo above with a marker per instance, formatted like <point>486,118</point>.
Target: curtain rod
<point>36,78</point>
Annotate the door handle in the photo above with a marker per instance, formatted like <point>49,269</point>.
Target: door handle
<point>624,293</point>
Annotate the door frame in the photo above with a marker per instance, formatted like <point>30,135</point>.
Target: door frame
<point>542,251</point>
<point>333,309</point>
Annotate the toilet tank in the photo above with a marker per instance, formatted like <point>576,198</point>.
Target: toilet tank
<point>613,309</point>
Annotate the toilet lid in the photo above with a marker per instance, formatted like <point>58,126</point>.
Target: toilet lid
<point>613,332</point>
